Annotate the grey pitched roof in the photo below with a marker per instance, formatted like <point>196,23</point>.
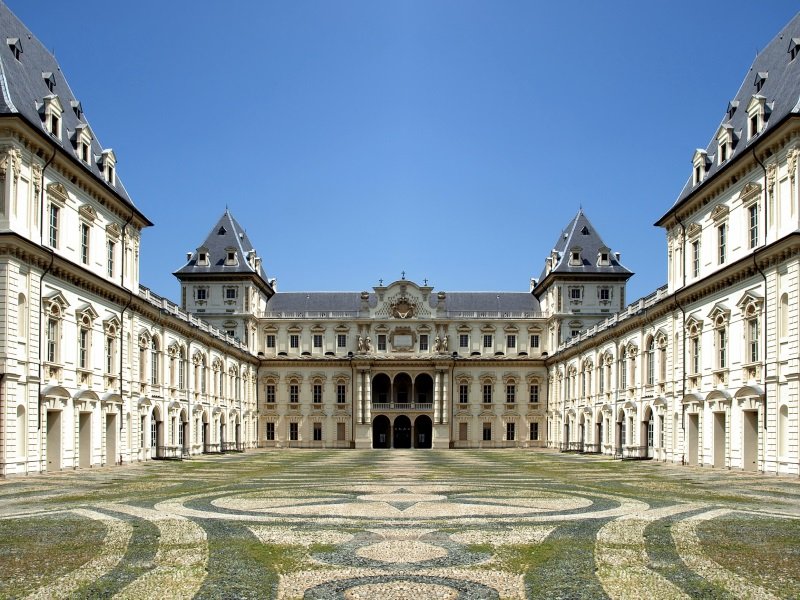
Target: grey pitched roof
<point>351,301</point>
<point>781,91</point>
<point>580,233</point>
<point>23,88</point>
<point>227,233</point>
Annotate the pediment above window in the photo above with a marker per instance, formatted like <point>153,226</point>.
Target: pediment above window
<point>693,230</point>
<point>719,212</point>
<point>750,303</point>
<point>87,212</point>
<point>719,315</point>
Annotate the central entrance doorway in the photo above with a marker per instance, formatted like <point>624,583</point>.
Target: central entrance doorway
<point>402,432</point>
<point>423,432</point>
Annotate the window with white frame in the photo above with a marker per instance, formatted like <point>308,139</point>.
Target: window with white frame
<point>52,115</point>
<point>651,361</point>
<point>463,393</point>
<point>696,258</point>
<point>85,233</point>
<point>201,293</point>
<point>463,340</point>
<point>605,294</point>
<point>294,340</point>
<point>382,342</point>
<point>84,337</point>
<point>752,224</point>
<point>487,340</point>
<point>55,214</point>
<point>316,393</point>
<point>511,341</point>
<point>270,341</point>
<point>533,396</point>
<point>294,393</point>
<point>270,393</point>
<point>753,338</point>
<point>269,431</point>
<point>317,340</point>
<point>722,346</point>
<point>110,251</point>
<point>722,243</point>
<point>231,293</point>
<point>511,393</point>
<point>294,432</point>
<point>487,393</point>
<point>317,432</point>
<point>341,340</point>
<point>341,393</point>
<point>534,431</point>
<point>423,342</point>
<point>510,431</point>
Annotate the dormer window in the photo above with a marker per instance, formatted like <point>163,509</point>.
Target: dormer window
<point>761,79</point>
<point>77,108</point>
<point>49,81</point>
<point>700,163</point>
<point>83,142</point>
<point>794,48</point>
<point>15,46</point>
<point>202,257</point>
<point>732,106</point>
<point>575,257</point>
<point>52,115</point>
<point>756,112</point>
<point>108,163</point>
<point>724,143</point>
<point>230,257</point>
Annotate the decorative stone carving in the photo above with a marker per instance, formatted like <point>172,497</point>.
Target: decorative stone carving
<point>403,308</point>
<point>36,178</point>
<point>772,175</point>
<point>791,159</point>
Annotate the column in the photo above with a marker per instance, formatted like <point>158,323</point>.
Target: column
<point>436,397</point>
<point>368,394</point>
<point>359,398</point>
<point>445,398</point>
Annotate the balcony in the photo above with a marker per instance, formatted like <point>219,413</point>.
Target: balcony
<point>403,406</point>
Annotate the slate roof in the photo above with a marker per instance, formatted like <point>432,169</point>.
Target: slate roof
<point>23,89</point>
<point>227,233</point>
<point>781,90</point>
<point>351,301</point>
<point>580,233</point>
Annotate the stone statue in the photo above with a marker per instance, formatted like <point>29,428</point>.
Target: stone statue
<point>368,345</point>
<point>444,344</point>
<point>360,344</point>
<point>437,345</point>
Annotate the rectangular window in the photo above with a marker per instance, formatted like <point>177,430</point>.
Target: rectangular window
<point>294,341</point>
<point>511,393</point>
<point>54,213</point>
<point>341,393</point>
<point>534,393</point>
<point>696,258</point>
<point>110,261</point>
<point>85,243</point>
<point>534,431</point>
<point>752,218</point>
<point>694,349</point>
<point>201,294</point>
<point>623,373</point>
<point>510,432</point>
<point>722,242</point>
<point>270,394</point>
<point>487,340</point>
<point>423,342</point>
<point>487,432</point>
<point>382,342</point>
<point>317,393</point>
<point>605,294</point>
<point>462,432</point>
<point>463,393</point>
<point>752,340</point>
<point>270,340</point>
<point>52,340</point>
<point>487,393</point>
<point>511,341</point>
<point>230,293</point>
<point>535,341</point>
<point>317,432</point>
<point>317,339</point>
<point>294,393</point>
<point>270,432</point>
<point>722,349</point>
<point>181,372</point>
<point>294,432</point>
<point>341,341</point>
<point>575,293</point>
<point>83,348</point>
<point>109,354</point>
<point>341,432</point>
<point>463,340</point>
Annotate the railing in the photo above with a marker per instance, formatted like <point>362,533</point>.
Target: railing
<point>634,453</point>
<point>591,449</point>
<point>494,314</point>
<point>212,449</point>
<point>168,453</point>
<point>571,447</point>
<point>310,314</point>
<point>232,447</point>
<point>402,406</point>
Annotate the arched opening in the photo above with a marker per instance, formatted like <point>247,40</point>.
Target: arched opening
<point>157,432</point>
<point>423,389</point>
<point>402,432</point>
<point>223,422</point>
<point>381,432</point>
<point>423,432</point>
<point>403,388</point>
<point>238,433</point>
<point>183,423</point>
<point>783,316</point>
<point>647,433</point>
<point>620,431</point>
<point>22,432</point>
<point>783,431</point>
<point>206,431</point>
<point>581,432</point>
<point>381,389</point>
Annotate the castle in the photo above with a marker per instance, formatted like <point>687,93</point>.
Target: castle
<point>96,369</point>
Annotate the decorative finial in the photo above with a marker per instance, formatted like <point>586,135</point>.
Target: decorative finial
<point>425,281</point>
<point>380,282</point>
<point>403,273</point>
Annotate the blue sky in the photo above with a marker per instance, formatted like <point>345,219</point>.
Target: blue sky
<point>450,139</point>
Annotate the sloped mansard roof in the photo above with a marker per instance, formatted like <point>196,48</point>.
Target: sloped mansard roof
<point>775,76</point>
<point>24,87</point>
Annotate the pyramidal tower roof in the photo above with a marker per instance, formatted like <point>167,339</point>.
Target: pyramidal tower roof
<point>578,251</point>
<point>30,76</point>
<point>227,236</point>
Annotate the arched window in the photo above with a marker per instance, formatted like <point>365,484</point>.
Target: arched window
<point>22,317</point>
<point>154,361</point>
<point>783,431</point>
<point>651,361</point>
<point>783,317</point>
<point>22,432</point>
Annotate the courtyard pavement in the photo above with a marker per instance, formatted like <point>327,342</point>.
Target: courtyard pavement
<point>400,524</point>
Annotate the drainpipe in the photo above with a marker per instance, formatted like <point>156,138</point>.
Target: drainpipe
<point>683,332</point>
<point>764,327</point>
<point>41,302</point>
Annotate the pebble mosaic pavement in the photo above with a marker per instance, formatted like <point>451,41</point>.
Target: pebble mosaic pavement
<point>400,524</point>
